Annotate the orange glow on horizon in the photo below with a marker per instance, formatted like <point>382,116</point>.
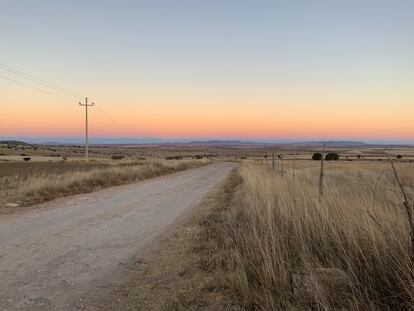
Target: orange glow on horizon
<point>309,115</point>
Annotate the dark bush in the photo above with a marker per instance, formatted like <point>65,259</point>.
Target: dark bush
<point>117,157</point>
<point>175,157</point>
<point>26,158</point>
<point>317,156</point>
<point>332,156</point>
<point>359,156</point>
<point>399,156</point>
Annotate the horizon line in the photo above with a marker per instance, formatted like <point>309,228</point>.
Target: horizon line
<point>110,140</point>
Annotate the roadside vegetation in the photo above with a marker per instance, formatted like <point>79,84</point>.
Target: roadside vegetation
<point>279,246</point>
<point>28,183</point>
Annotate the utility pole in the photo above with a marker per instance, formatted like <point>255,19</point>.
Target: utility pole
<point>321,174</point>
<point>86,126</point>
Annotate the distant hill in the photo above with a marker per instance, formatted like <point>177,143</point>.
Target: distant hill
<point>336,143</point>
<point>14,143</point>
<point>220,142</point>
<point>349,143</point>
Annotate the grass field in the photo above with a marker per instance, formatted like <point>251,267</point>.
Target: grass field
<point>278,247</point>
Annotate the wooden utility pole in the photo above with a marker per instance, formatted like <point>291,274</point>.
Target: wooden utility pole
<point>281,161</point>
<point>86,126</point>
<point>321,174</point>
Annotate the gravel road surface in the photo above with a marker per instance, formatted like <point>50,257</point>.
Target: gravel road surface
<point>61,254</point>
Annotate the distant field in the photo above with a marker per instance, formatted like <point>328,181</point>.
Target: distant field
<point>19,179</point>
<point>24,169</point>
<point>50,175</point>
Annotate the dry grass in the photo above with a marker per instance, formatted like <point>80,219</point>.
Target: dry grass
<point>36,188</point>
<point>276,227</point>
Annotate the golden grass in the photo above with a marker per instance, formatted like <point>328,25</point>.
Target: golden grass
<point>276,227</point>
<point>42,187</point>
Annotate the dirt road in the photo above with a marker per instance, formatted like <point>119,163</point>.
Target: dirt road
<point>59,256</point>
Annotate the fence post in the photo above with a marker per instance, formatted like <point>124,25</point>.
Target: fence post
<point>321,174</point>
<point>281,160</point>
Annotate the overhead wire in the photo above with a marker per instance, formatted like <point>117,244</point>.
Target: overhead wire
<point>36,88</point>
<point>114,122</point>
<point>40,81</point>
<point>66,93</point>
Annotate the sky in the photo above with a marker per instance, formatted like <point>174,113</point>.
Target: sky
<point>217,69</point>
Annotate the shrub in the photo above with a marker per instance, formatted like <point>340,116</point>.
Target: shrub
<point>399,156</point>
<point>26,159</point>
<point>117,157</point>
<point>317,156</point>
<point>332,156</point>
<point>175,157</point>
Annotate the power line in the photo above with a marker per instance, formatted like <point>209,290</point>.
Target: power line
<point>36,88</point>
<point>40,81</point>
<point>114,122</point>
<point>68,94</point>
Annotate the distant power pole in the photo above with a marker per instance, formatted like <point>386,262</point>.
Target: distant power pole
<point>321,174</point>
<point>86,126</point>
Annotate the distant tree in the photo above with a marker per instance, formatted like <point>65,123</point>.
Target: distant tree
<point>317,156</point>
<point>399,156</point>
<point>359,156</point>
<point>332,156</point>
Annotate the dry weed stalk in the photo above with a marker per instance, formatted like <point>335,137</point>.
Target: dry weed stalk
<point>408,208</point>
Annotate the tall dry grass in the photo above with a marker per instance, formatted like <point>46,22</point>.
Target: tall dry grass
<point>42,187</point>
<point>276,227</point>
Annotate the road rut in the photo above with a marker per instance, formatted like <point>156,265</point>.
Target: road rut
<point>56,256</point>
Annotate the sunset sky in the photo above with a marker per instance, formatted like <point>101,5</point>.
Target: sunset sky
<point>216,69</point>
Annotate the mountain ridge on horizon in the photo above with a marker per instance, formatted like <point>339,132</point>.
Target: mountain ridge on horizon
<point>211,142</point>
